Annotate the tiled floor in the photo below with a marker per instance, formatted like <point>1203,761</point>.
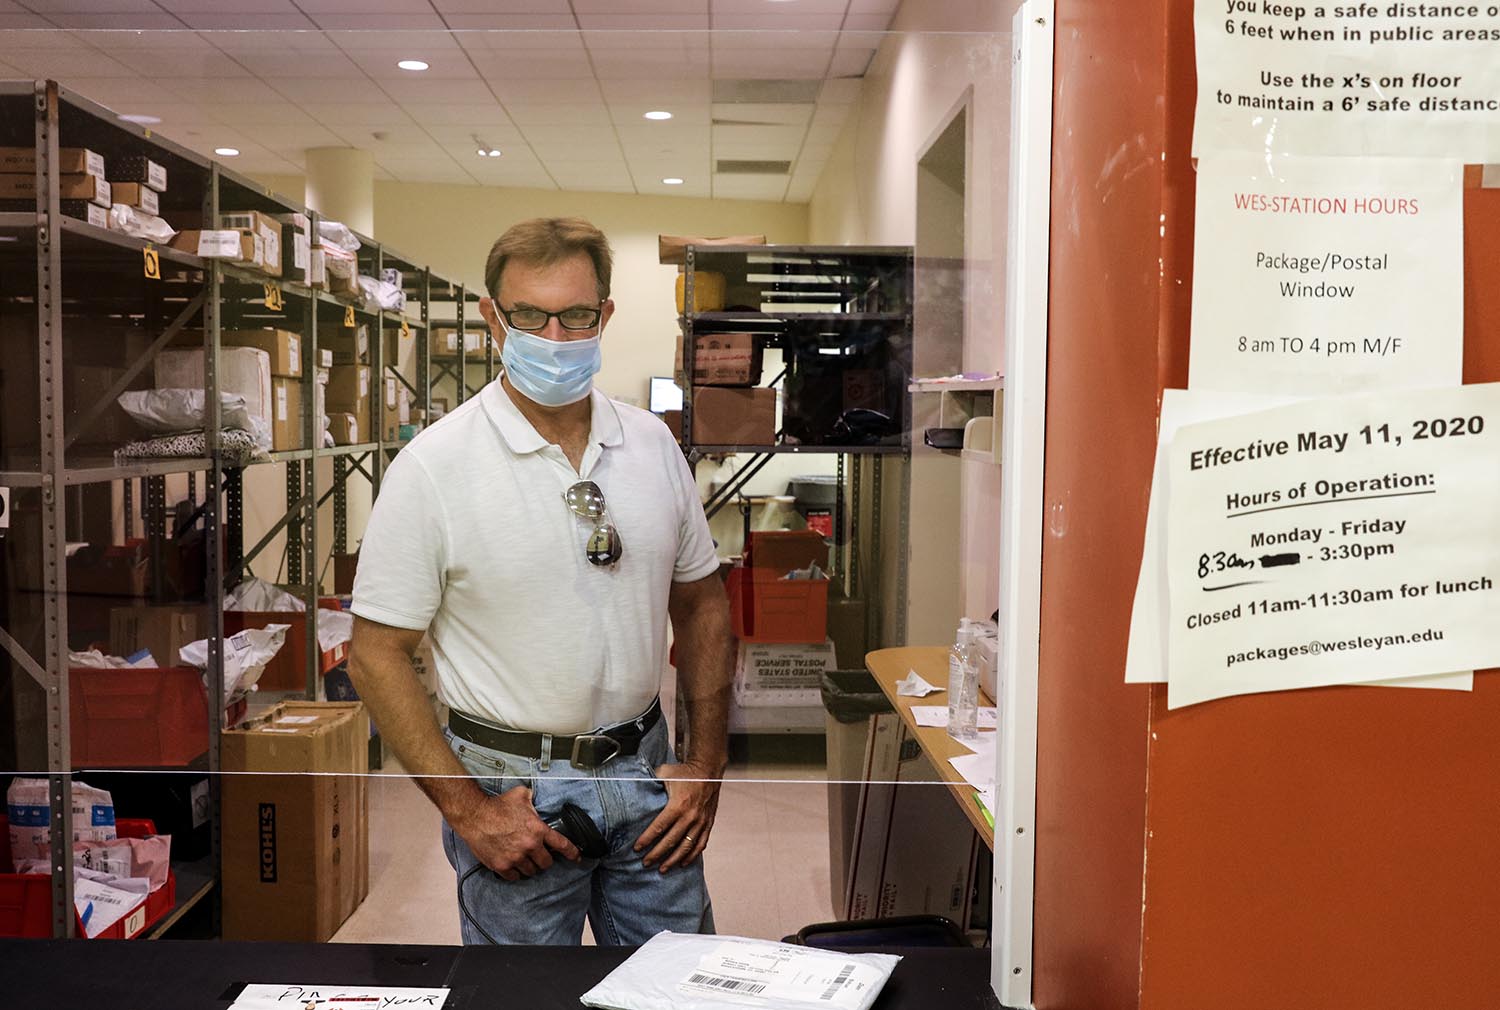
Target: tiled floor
<point>767,861</point>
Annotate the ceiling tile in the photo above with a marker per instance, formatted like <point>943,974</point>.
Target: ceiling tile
<point>50,7</point>
<point>861,40</point>
<point>773,8</point>
<point>874,6</point>
<point>749,187</point>
<point>338,114</point>
<point>777,40</point>
<point>380,22</point>
<point>240,6</point>
<point>801,192</point>
<point>351,90</point>
<point>775,115</point>
<point>23,22</point>
<point>275,42</point>
<point>262,114</point>
<point>631,41</point>
<point>279,136</point>
<point>640,7</point>
<point>235,21</point>
<point>392,38</point>
<point>526,114</point>
<point>421,92</point>
<point>125,94</point>
<point>668,93</point>
<point>817,153</point>
<point>753,136</point>
<point>662,134</point>
<point>577,136</point>
<point>534,64</point>
<point>645,22</point>
<point>451,114</point>
<point>555,7</point>
<point>822,136</point>
<point>509,23</point>
<point>173,114</point>
<point>498,134</point>
<point>850,62</point>
<point>867,22</point>
<point>18,39</point>
<point>690,170</point>
<point>560,92</point>
<point>316,7</point>
<point>650,65</point>
<point>769,65</point>
<point>822,26</point>
<point>839,92</point>
<point>66,63</point>
<point>268,64</point>
<point>443,63</point>
<point>829,116</point>
<point>208,62</point>
<point>118,22</point>
<point>214,89</point>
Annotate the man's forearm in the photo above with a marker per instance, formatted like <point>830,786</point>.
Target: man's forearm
<point>387,685</point>
<point>705,659</point>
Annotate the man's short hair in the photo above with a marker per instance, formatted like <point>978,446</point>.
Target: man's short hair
<point>543,241</point>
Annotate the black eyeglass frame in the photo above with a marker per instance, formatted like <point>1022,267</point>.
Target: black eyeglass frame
<point>598,314</point>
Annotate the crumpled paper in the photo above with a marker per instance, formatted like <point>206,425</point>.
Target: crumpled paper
<point>914,686</point>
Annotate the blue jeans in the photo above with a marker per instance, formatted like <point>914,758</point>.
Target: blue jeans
<point>625,902</point>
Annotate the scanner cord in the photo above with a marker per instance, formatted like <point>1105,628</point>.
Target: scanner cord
<point>464,907</point>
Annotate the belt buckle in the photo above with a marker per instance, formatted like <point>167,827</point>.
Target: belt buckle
<point>589,740</point>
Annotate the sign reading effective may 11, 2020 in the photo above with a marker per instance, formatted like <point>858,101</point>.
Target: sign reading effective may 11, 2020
<point>1335,541</point>
<point>1369,78</point>
<point>1315,276</point>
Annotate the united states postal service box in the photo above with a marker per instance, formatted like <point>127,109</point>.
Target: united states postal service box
<point>297,837</point>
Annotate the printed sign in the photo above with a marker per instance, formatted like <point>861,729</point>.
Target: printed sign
<point>1365,79</point>
<point>1334,541</point>
<point>1323,276</point>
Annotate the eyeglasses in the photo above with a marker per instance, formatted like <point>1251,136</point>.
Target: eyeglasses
<point>587,502</point>
<point>529,319</point>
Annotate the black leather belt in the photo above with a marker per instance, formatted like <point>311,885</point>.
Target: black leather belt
<point>587,750</point>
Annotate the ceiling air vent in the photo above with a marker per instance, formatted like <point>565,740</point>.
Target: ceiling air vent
<point>728,167</point>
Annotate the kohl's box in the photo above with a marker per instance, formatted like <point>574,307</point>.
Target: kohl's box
<point>296,837</point>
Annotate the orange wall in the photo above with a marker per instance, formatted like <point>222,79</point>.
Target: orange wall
<point>1323,848</point>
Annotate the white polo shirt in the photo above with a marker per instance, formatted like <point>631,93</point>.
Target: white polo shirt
<point>470,538</point>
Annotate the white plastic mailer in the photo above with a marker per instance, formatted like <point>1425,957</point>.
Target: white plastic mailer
<point>680,971</point>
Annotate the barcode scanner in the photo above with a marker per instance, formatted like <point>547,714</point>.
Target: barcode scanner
<point>578,827</point>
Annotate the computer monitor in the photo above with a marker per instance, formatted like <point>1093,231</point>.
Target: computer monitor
<point>665,395</point>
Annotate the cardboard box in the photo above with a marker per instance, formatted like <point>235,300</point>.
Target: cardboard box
<point>296,246</point>
<point>771,675</point>
<point>345,428</point>
<point>283,348</point>
<point>286,417</point>
<point>349,392</point>
<point>708,292</point>
<point>723,415</point>
<point>325,358</point>
<point>445,344</point>
<point>70,161</point>
<point>138,168</point>
<point>222,244</point>
<point>722,359</point>
<point>349,346</point>
<point>296,845</point>
<point>163,631</point>
<point>242,370</point>
<point>672,249</point>
<point>92,188</point>
<point>929,854</point>
<point>317,270</point>
<point>263,227</point>
<point>135,194</point>
<point>872,821</point>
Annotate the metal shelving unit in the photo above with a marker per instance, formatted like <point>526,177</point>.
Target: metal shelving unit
<point>64,278</point>
<point>830,310</point>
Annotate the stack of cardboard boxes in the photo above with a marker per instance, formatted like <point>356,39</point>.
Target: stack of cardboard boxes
<point>349,380</point>
<point>263,366</point>
<point>138,182</point>
<point>247,238</point>
<point>83,191</point>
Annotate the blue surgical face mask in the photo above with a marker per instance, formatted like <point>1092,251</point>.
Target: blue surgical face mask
<point>554,373</point>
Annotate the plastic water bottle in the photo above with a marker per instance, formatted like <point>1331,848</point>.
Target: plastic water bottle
<point>965,723</point>
<point>958,657</point>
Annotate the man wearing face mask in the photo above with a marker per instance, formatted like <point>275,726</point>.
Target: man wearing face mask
<point>542,535</point>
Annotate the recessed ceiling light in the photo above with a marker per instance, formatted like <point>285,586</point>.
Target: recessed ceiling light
<point>227,152</point>
<point>140,118</point>
<point>412,64</point>
<point>672,181</point>
<point>658,114</point>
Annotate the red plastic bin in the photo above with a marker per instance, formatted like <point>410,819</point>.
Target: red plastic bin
<point>26,898</point>
<point>288,670</point>
<point>773,610</point>
<point>141,718</point>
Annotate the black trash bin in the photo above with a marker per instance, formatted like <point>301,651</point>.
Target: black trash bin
<point>850,698</point>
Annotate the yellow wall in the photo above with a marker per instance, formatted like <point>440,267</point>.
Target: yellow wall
<point>938,56</point>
